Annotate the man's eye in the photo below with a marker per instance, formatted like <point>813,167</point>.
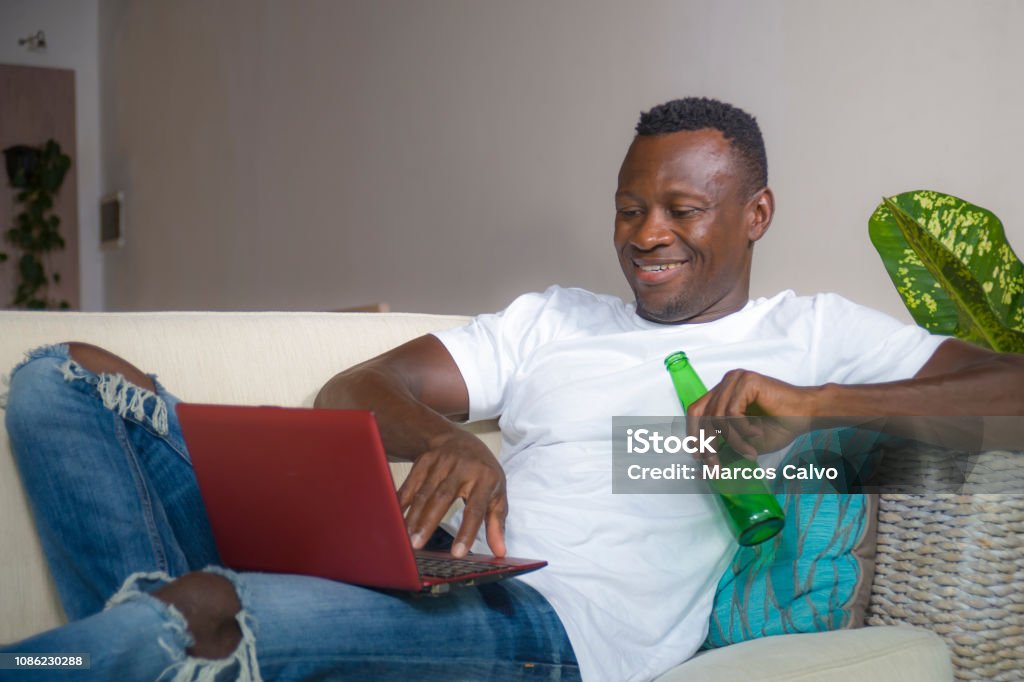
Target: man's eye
<point>684,212</point>
<point>628,212</point>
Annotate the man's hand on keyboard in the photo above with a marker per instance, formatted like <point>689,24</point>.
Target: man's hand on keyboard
<point>456,466</point>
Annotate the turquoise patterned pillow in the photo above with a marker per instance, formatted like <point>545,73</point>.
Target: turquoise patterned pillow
<point>815,575</point>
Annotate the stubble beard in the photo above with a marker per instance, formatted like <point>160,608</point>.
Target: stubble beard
<point>678,310</point>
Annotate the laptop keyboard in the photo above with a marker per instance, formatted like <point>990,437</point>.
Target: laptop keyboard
<point>451,568</point>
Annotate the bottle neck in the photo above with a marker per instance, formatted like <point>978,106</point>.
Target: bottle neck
<point>688,385</point>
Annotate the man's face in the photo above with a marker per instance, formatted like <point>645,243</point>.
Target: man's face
<point>684,230</point>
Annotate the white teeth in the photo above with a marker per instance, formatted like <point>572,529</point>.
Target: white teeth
<point>660,267</point>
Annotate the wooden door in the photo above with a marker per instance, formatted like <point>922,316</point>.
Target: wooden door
<point>38,104</point>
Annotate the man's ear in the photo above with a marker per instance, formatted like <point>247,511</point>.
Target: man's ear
<point>760,208</point>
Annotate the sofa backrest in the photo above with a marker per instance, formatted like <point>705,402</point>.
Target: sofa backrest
<point>235,358</point>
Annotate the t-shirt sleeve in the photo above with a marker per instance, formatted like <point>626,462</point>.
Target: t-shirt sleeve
<point>859,345</point>
<point>489,350</point>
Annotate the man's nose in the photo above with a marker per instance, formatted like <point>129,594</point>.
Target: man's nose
<point>655,230</point>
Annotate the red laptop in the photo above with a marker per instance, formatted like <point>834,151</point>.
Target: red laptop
<point>294,490</point>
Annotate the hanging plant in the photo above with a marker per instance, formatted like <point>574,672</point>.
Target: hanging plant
<point>38,174</point>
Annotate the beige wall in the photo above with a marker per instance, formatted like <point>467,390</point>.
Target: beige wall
<point>447,155</point>
<point>71,35</point>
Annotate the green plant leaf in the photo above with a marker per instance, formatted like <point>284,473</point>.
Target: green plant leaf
<point>36,231</point>
<point>952,265</point>
<point>31,270</point>
<point>19,236</point>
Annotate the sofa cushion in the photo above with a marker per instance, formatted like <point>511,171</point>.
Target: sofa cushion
<point>878,654</point>
<point>813,576</point>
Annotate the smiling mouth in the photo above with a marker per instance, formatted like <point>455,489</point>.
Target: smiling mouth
<point>660,267</point>
<point>654,274</point>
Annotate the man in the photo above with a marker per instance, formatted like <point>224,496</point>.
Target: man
<point>631,577</point>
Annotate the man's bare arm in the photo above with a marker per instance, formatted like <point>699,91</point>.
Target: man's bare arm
<point>959,379</point>
<point>415,390</point>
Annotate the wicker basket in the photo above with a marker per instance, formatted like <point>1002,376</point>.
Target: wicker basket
<point>955,564</point>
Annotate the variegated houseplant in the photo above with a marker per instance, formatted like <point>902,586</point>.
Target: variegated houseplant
<point>952,264</point>
<point>958,275</point>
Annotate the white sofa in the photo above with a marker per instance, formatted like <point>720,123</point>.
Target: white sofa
<point>283,359</point>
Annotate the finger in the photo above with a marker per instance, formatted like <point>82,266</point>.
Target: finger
<point>710,427</point>
<point>750,428</point>
<point>709,458</point>
<point>435,508</point>
<point>698,407</point>
<point>741,446</point>
<point>720,430</point>
<point>743,437</point>
<point>718,398</point>
<point>496,525</point>
<point>742,394</point>
<point>472,519</point>
<point>429,504</point>
<point>414,481</point>
<point>425,476</point>
<point>744,448</point>
<point>695,418</point>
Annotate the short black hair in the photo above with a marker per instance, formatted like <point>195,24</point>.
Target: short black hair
<point>736,125</point>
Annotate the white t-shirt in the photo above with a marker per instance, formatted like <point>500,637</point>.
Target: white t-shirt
<point>632,577</point>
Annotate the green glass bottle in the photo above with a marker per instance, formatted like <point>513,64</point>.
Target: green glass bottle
<point>753,513</point>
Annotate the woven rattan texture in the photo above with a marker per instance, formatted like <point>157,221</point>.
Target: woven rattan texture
<point>955,564</point>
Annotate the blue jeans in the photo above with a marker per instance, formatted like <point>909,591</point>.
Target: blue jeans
<point>118,512</point>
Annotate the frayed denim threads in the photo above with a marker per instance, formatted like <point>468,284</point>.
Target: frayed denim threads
<point>240,665</point>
